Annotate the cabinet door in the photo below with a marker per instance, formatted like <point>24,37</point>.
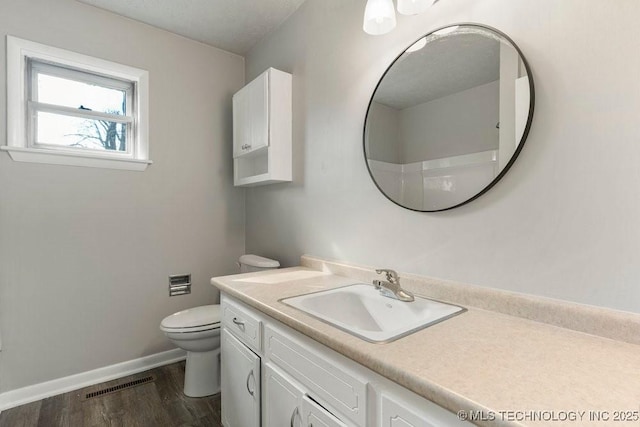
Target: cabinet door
<point>322,375</point>
<point>398,412</point>
<point>396,415</point>
<point>282,399</point>
<point>240,383</point>
<point>316,416</point>
<point>258,92</point>
<point>241,129</point>
<point>251,116</point>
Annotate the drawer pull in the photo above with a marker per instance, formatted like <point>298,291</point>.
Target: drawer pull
<point>293,415</point>
<point>251,392</point>
<point>238,323</point>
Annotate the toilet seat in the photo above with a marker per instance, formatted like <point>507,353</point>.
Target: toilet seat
<point>196,319</point>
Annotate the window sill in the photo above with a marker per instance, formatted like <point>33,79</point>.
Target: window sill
<point>34,155</point>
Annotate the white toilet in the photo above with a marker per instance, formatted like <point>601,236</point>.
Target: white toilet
<point>197,330</point>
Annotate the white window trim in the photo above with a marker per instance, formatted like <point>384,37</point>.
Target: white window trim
<point>17,139</point>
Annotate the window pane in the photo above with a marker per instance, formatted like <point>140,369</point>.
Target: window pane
<point>76,132</point>
<point>76,94</point>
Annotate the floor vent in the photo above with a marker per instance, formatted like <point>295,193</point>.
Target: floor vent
<point>120,387</point>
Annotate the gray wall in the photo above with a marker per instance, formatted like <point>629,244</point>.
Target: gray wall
<point>564,222</point>
<point>461,123</point>
<point>85,253</point>
<point>383,135</point>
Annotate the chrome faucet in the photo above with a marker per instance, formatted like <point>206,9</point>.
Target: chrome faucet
<point>391,287</point>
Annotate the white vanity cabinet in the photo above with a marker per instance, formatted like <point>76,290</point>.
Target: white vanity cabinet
<point>262,117</point>
<point>314,415</point>
<point>283,399</point>
<point>287,404</point>
<point>240,383</point>
<point>305,383</point>
<point>323,376</point>
<point>394,414</point>
<point>398,407</point>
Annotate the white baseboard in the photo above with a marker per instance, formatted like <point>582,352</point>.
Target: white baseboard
<point>32,393</point>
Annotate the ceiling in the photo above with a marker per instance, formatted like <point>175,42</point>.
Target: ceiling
<point>232,25</point>
<point>446,65</point>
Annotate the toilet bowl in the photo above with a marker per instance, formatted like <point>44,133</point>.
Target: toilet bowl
<point>197,330</point>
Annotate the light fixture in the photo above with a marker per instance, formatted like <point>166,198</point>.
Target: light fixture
<point>413,7</point>
<point>379,17</point>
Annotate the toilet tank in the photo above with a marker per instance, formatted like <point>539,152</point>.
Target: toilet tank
<point>249,263</point>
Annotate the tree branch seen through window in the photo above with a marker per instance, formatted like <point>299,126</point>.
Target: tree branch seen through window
<point>102,134</point>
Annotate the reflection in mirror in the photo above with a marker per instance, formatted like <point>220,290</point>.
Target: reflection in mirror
<point>448,118</point>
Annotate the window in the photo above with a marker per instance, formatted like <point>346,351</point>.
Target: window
<point>72,109</point>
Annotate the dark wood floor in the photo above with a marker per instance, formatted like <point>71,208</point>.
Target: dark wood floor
<point>154,404</point>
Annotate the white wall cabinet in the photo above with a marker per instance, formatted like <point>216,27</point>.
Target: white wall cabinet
<point>240,383</point>
<point>251,116</point>
<point>306,384</point>
<point>262,117</point>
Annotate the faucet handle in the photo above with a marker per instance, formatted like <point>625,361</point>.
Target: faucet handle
<point>392,276</point>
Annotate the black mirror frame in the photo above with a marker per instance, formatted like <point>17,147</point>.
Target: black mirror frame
<point>516,153</point>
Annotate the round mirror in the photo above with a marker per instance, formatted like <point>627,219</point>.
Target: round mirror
<point>448,118</point>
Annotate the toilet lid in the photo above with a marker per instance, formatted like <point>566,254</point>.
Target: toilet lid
<point>258,261</point>
<point>197,317</point>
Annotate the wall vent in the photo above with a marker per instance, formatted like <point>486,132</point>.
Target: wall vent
<point>120,387</point>
<point>179,284</point>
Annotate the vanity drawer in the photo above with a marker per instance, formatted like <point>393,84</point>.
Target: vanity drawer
<point>242,323</point>
<point>326,379</point>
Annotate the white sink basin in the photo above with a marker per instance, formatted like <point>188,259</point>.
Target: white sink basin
<point>360,310</point>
